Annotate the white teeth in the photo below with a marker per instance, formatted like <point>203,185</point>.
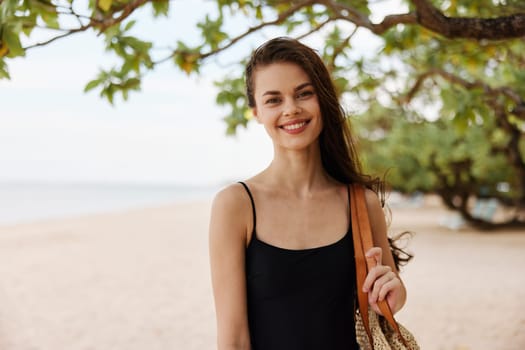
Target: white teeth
<point>294,126</point>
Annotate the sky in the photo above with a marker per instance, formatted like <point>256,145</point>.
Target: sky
<point>171,132</point>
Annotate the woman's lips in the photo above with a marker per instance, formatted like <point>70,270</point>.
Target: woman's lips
<point>294,127</point>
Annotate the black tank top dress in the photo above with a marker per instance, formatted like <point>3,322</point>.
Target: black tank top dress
<point>300,299</point>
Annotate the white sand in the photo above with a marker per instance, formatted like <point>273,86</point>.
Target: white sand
<point>140,280</point>
<point>466,289</point>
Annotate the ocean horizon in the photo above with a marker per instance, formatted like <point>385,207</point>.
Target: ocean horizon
<point>26,202</point>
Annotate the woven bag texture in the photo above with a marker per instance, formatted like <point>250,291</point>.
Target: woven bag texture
<point>384,336</point>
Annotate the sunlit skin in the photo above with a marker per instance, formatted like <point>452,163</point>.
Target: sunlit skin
<point>287,106</point>
<point>285,96</point>
<point>299,205</point>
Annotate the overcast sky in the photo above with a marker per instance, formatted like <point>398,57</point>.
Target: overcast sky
<point>170,132</point>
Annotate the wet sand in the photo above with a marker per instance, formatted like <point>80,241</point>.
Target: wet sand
<point>140,280</point>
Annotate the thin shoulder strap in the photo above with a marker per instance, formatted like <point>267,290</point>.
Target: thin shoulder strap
<point>253,204</point>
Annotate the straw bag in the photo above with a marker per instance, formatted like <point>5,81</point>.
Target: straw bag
<point>373,332</point>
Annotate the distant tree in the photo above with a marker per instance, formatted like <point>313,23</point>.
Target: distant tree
<point>442,103</point>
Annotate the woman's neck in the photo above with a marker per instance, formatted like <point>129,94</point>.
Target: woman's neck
<point>299,172</point>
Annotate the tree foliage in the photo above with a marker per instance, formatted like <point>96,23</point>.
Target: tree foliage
<point>441,104</point>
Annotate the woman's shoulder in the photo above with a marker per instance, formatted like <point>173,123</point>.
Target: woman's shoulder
<point>231,196</point>
<point>230,213</point>
<point>235,201</point>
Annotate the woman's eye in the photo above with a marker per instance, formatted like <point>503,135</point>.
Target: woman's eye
<point>272,100</point>
<point>304,94</point>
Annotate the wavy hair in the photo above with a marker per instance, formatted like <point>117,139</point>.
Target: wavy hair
<point>337,144</point>
<point>338,147</point>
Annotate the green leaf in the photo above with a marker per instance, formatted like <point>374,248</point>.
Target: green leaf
<point>187,58</point>
<point>50,18</point>
<point>211,31</point>
<point>4,73</point>
<point>129,25</point>
<point>160,7</point>
<point>258,13</point>
<point>92,84</point>
<point>12,40</point>
<point>104,5</point>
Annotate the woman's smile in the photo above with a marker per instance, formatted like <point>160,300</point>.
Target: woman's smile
<point>295,126</point>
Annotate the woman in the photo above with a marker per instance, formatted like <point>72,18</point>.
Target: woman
<point>281,250</point>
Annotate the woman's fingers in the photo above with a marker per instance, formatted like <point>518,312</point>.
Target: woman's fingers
<point>380,279</point>
<point>382,286</point>
<point>376,253</point>
<point>391,285</point>
<point>389,292</point>
<point>382,283</point>
<point>374,275</point>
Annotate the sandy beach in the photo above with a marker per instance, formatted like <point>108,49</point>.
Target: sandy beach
<point>140,280</point>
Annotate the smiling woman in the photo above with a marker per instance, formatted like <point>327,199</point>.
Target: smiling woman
<point>287,106</point>
<point>281,252</point>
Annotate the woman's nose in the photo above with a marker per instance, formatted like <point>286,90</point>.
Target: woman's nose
<point>291,108</point>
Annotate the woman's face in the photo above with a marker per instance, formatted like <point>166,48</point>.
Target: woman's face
<point>286,104</point>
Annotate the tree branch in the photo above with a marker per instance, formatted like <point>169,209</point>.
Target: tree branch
<point>504,90</point>
<point>472,28</point>
<point>282,17</point>
<point>348,13</point>
<point>433,19</point>
<point>68,33</point>
<point>101,23</point>
<point>315,29</point>
<point>108,20</point>
<point>339,49</point>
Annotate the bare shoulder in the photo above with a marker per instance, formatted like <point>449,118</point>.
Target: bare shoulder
<point>231,197</point>
<point>230,211</point>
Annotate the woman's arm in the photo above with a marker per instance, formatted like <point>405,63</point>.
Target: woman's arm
<point>382,281</point>
<point>228,228</point>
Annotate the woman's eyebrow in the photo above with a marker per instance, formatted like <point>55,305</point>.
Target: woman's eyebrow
<point>271,92</point>
<point>299,87</point>
<point>302,86</point>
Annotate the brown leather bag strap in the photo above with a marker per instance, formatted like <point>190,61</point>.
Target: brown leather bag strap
<point>360,261</point>
<point>363,241</point>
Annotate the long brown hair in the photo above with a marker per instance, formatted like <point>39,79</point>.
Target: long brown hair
<point>338,147</point>
<point>337,144</point>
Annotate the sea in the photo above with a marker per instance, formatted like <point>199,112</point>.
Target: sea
<point>27,202</point>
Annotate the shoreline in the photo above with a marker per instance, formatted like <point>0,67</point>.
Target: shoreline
<point>30,202</point>
<point>95,214</point>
